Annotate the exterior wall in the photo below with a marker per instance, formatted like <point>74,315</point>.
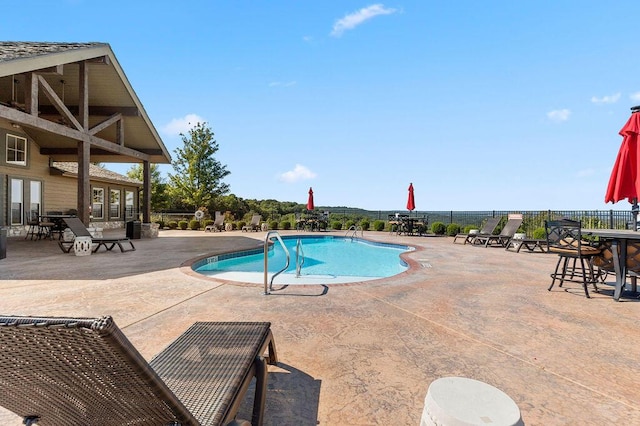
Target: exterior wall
<point>59,193</point>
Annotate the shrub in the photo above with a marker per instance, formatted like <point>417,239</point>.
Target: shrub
<point>285,224</point>
<point>378,225</point>
<point>172,224</point>
<point>336,225</point>
<point>365,225</point>
<point>273,224</point>
<point>349,224</point>
<point>194,224</point>
<point>182,224</point>
<point>438,228</point>
<point>241,224</point>
<point>160,223</point>
<point>453,229</point>
<point>468,228</point>
<point>539,234</point>
<point>207,222</point>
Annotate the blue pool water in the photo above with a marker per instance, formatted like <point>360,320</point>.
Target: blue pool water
<point>329,259</point>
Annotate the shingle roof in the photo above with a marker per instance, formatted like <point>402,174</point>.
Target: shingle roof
<point>10,50</point>
<point>95,172</point>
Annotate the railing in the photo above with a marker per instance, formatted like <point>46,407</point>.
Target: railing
<point>299,257</point>
<point>353,231</point>
<point>266,261</point>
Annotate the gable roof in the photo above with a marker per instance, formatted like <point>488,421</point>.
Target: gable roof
<point>67,168</point>
<point>119,128</point>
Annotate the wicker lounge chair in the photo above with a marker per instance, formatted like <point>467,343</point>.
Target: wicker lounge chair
<point>67,371</point>
<point>502,239</point>
<point>254,225</point>
<point>79,230</point>
<point>487,229</point>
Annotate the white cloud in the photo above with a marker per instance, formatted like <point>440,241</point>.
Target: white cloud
<point>298,173</point>
<point>610,99</point>
<point>182,125</point>
<point>354,19</point>
<point>635,97</point>
<point>559,115</point>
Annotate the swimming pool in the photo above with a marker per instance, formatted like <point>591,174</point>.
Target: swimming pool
<point>327,260</point>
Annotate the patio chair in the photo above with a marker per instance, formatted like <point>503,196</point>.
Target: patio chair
<point>79,230</point>
<point>254,225</point>
<point>217,225</point>
<point>487,229</point>
<point>514,221</point>
<point>84,371</point>
<point>576,256</point>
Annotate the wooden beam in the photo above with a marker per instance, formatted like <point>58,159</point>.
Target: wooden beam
<point>25,119</point>
<point>105,111</point>
<point>83,95</point>
<point>54,70</point>
<point>57,103</point>
<point>84,184</point>
<point>31,93</point>
<point>106,123</point>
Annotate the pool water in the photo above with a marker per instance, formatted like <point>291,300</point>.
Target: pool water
<point>329,259</point>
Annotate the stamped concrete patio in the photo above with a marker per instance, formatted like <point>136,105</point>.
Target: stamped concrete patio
<point>363,354</point>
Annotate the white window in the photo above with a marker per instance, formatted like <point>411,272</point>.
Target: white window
<point>97,206</point>
<point>129,205</point>
<point>16,201</point>
<point>114,204</point>
<point>35,205</point>
<point>16,150</point>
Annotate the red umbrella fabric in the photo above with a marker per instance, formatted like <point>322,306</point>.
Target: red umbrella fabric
<point>411,202</point>
<point>625,179</point>
<point>310,205</point>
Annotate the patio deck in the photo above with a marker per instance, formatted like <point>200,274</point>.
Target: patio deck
<point>366,353</point>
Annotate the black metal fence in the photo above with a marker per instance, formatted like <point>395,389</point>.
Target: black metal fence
<point>532,219</point>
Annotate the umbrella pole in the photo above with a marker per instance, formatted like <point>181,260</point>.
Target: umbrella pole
<point>634,211</point>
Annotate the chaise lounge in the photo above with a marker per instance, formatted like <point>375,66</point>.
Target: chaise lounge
<point>487,229</point>
<point>510,228</point>
<point>84,371</point>
<point>79,230</point>
<point>254,225</point>
<point>217,225</point>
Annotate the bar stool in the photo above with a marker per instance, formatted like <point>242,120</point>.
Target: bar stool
<point>564,237</point>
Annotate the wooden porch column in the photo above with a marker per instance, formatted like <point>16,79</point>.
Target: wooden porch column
<point>84,185</point>
<point>146,192</point>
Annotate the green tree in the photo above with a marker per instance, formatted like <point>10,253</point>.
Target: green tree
<point>159,195</point>
<point>198,177</point>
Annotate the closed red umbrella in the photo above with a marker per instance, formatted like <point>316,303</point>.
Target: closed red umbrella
<point>625,178</point>
<point>411,202</point>
<point>310,205</point>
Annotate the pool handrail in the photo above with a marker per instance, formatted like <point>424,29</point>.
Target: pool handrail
<point>266,257</point>
<point>353,229</point>
<point>299,257</point>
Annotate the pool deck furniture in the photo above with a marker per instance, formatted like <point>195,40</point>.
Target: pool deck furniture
<point>487,229</point>
<point>254,225</point>
<point>85,371</point>
<point>510,228</point>
<point>217,225</point>
<point>79,230</point>
<point>531,244</point>
<point>623,246</point>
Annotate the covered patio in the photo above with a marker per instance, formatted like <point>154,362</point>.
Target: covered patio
<point>365,353</point>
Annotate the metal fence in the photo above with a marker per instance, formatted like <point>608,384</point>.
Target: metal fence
<point>532,219</point>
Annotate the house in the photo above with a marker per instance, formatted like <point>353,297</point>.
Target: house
<point>63,108</point>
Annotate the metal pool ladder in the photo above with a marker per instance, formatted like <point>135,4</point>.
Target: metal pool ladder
<point>353,231</point>
<point>299,257</point>
<point>266,257</point>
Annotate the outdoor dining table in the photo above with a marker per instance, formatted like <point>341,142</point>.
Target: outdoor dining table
<point>56,223</point>
<point>625,245</point>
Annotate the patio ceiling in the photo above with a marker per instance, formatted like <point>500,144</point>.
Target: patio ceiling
<point>44,88</point>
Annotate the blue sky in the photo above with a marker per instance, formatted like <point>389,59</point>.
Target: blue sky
<point>481,105</point>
